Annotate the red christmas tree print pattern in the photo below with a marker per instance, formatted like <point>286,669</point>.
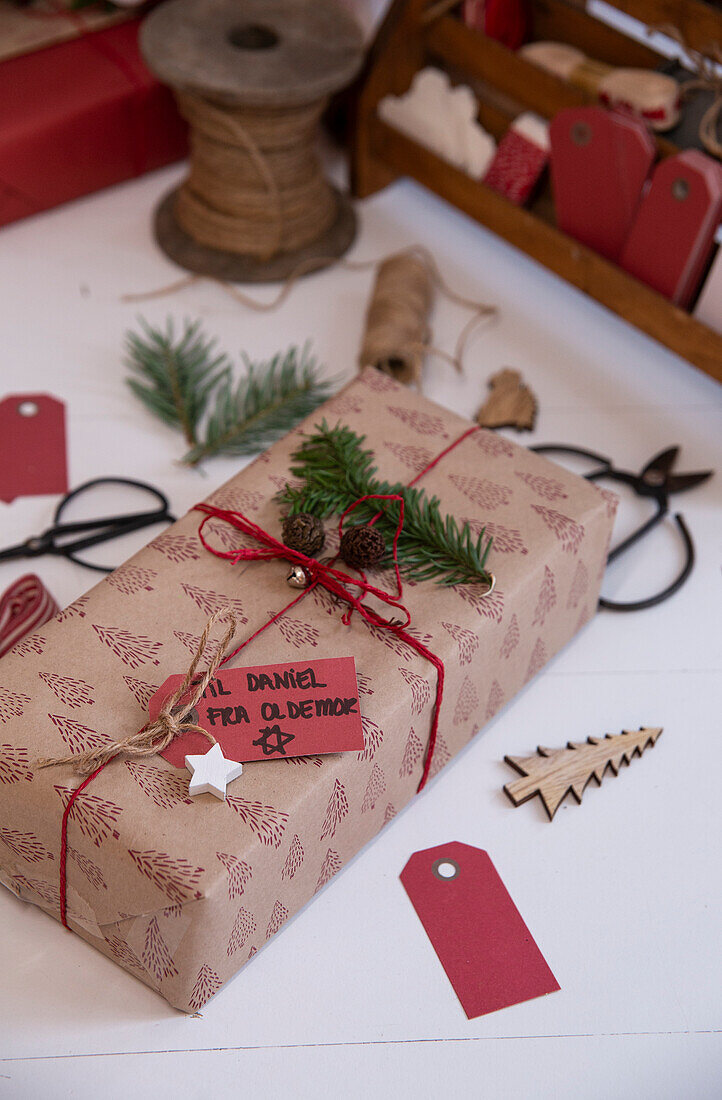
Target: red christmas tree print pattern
<point>237,500</point>
<point>420,422</point>
<point>294,859</point>
<point>547,598</point>
<point>467,702</point>
<point>373,736</point>
<point>567,530</point>
<point>268,824</point>
<point>505,540</point>
<point>537,660</point>
<point>301,761</point>
<point>177,878</point>
<point>344,405</point>
<point>466,640</point>
<point>331,866</point>
<point>335,811</point>
<point>14,764</point>
<point>130,579</point>
<point>511,638</point>
<point>490,605</point>
<point>134,650</point>
<point>496,698</point>
<point>91,870</point>
<point>75,610</point>
<point>120,950</point>
<point>178,548</point>
<point>389,813</point>
<point>72,693</point>
<point>611,499</point>
<point>546,487</point>
<point>364,684</point>
<point>94,816</point>
<point>192,641</point>
<point>416,458</point>
<point>375,787</point>
<point>441,757</point>
<point>493,445</point>
<point>12,704</point>
<point>413,752</point>
<point>580,584</point>
<point>239,873</point>
<point>398,645</point>
<point>420,690</point>
<point>379,382</point>
<point>142,691</point>
<point>166,788</point>
<point>243,927</point>
<point>77,737</point>
<point>156,956</point>
<point>25,845</point>
<point>34,644</point>
<point>207,983</point>
<point>279,914</point>
<point>487,494</point>
<point>210,602</point>
<point>296,632</point>
<point>46,891</point>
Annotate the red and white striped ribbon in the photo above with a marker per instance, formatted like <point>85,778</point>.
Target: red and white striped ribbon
<point>24,607</point>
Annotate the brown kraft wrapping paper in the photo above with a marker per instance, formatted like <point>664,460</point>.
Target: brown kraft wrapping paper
<point>182,892</point>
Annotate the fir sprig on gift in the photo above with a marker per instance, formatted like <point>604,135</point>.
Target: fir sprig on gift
<point>336,471</point>
<point>189,385</point>
<point>265,404</point>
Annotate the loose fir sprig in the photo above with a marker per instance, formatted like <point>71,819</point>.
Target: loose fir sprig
<point>336,471</point>
<point>182,379</point>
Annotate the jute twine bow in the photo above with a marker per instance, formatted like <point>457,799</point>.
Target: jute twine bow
<point>173,718</point>
<point>708,69</point>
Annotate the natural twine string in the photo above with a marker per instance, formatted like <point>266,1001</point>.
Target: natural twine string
<point>396,335</point>
<point>173,717</point>
<point>255,185</point>
<point>708,69</point>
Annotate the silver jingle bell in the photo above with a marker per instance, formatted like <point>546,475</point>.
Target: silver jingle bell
<point>298,577</point>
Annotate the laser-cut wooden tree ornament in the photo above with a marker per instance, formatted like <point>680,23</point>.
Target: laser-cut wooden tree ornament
<point>554,773</point>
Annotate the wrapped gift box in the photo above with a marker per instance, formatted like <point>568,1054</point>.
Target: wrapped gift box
<point>80,116</point>
<point>182,892</point>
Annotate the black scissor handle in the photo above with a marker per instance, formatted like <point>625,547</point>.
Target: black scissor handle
<point>652,601</point>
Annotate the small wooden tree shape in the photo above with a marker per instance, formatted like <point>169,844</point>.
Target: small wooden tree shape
<point>553,773</point>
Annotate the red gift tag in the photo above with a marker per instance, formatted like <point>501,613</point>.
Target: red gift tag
<point>476,930</point>
<point>267,712</point>
<point>600,161</point>
<point>32,446</point>
<point>673,234</point>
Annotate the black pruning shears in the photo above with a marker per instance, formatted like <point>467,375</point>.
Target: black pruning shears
<point>656,481</point>
<point>68,540</point>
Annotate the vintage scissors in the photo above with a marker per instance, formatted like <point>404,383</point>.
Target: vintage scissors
<point>656,481</point>
<point>59,539</point>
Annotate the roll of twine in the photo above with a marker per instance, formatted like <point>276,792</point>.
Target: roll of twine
<point>255,185</point>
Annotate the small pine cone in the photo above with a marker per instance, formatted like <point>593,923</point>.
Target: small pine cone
<point>304,533</point>
<point>362,547</point>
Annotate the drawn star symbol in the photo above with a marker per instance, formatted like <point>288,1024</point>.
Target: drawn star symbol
<point>282,739</point>
<point>211,772</point>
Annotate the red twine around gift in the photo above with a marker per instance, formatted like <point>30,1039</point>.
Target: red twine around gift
<point>333,580</point>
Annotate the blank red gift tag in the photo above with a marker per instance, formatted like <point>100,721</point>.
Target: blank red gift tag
<point>476,930</point>
<point>33,458</point>
<point>600,161</point>
<point>673,234</point>
<point>266,712</point>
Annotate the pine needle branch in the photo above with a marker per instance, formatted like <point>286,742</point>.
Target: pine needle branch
<point>336,471</point>
<point>263,406</point>
<point>175,377</point>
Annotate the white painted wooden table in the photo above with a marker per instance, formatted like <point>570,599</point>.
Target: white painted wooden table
<point>622,894</point>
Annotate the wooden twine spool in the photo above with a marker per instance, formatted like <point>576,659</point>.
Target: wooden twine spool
<point>252,77</point>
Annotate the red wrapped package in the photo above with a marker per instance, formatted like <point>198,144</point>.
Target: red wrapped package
<point>80,116</point>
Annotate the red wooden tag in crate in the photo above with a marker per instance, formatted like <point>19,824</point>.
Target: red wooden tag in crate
<point>599,162</point>
<point>673,233</point>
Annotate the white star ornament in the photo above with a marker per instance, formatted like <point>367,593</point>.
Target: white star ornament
<point>212,772</point>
